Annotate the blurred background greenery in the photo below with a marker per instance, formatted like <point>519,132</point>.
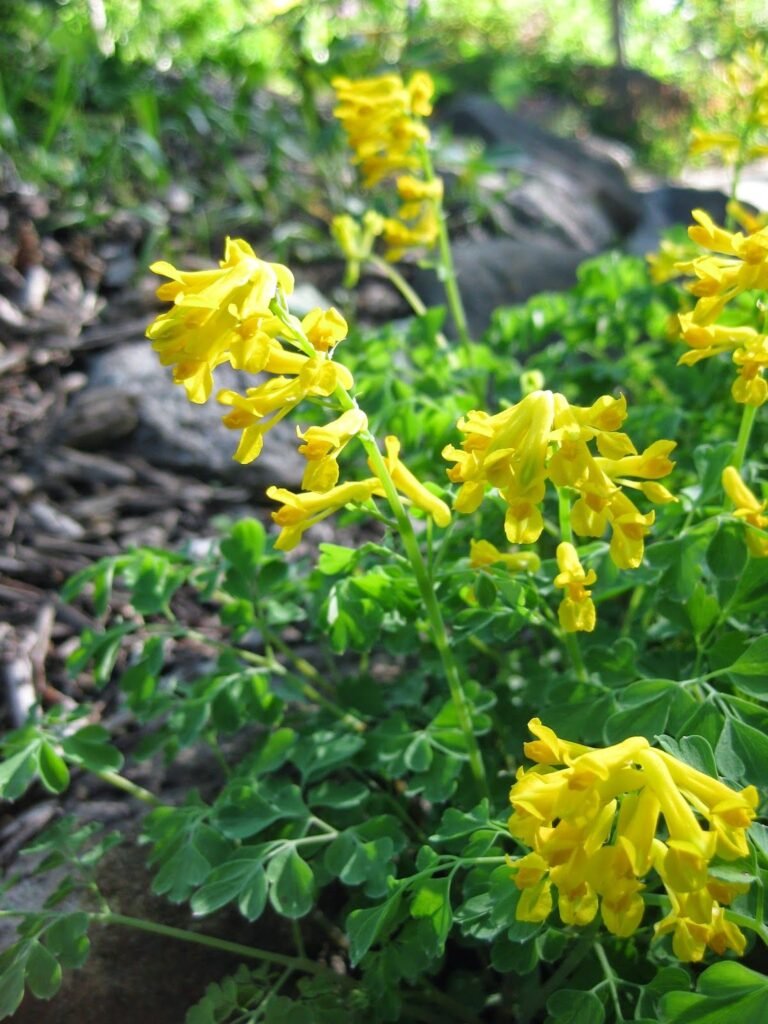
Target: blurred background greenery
<point>109,103</point>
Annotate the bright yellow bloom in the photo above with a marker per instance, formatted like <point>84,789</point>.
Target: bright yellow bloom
<point>407,484</point>
<point>592,826</point>
<point>380,116</point>
<point>726,143</point>
<point>482,553</point>
<point>301,511</point>
<point>322,446</point>
<point>741,264</point>
<point>212,311</point>
<point>748,348</point>
<point>544,438</point>
<point>748,508</point>
<point>324,328</point>
<point>577,610</point>
<point>262,407</point>
<point>356,240</point>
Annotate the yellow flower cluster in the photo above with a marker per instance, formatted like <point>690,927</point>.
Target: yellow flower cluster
<point>750,510</point>
<point>745,82</point>
<point>236,314</point>
<point>591,817</point>
<point>544,438</point>
<point>382,120</point>
<point>228,316</point>
<point>739,263</point>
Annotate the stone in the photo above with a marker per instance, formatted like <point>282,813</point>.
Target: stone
<point>562,179</point>
<point>501,272</point>
<point>172,433</point>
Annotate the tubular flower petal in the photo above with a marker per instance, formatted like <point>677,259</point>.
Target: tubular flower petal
<point>748,508</point>
<point>300,511</point>
<point>411,487</point>
<point>322,446</point>
<point>592,825</point>
<point>482,553</point>
<point>748,348</point>
<point>577,610</point>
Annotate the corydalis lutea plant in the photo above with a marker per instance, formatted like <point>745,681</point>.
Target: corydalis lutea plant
<point>365,782</point>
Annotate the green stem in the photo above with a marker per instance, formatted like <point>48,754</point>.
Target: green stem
<point>120,782</point>
<point>758,927</point>
<point>447,266</point>
<point>397,279</point>
<point>420,571</point>
<point>579,952</point>
<point>408,293</point>
<point>610,980</point>
<point>745,430</point>
<point>297,963</point>
<point>564,514</point>
<point>432,608</point>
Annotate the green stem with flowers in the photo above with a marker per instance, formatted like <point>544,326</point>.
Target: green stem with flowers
<point>447,268</point>
<point>421,572</point>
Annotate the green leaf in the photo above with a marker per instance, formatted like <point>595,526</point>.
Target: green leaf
<point>18,771</point>
<point>750,671</point>
<point>354,861</point>
<point>455,823</point>
<point>727,993</point>
<point>11,986</point>
<point>242,877</point>
<point>244,546</point>
<point>91,747</point>
<point>292,884</point>
<point>335,559</point>
<point>432,900</point>
<point>342,796</point>
<point>245,810</point>
<point>364,927</point>
<point>742,753</point>
<point>53,770</point>
<point>43,972</point>
<point>273,752</point>
<point>571,1006</point>
<point>67,939</point>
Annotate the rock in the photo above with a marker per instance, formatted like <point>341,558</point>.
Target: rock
<point>568,189</point>
<point>501,272</point>
<point>668,205</point>
<point>173,433</point>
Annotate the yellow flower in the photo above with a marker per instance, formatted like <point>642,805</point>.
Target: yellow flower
<point>482,553</point>
<point>577,610</point>
<point>380,116</point>
<point>622,793</point>
<point>741,265</point>
<point>301,511</point>
<point>262,407</point>
<point>324,328</point>
<point>411,487</point>
<point>211,308</point>
<point>412,189</point>
<point>749,351</point>
<point>322,445</point>
<point>749,509</point>
<point>727,144</point>
<point>543,438</point>
<point>356,241</point>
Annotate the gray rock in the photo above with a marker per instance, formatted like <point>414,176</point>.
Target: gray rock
<point>565,175</point>
<point>173,433</point>
<point>501,272</point>
<point>668,205</point>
